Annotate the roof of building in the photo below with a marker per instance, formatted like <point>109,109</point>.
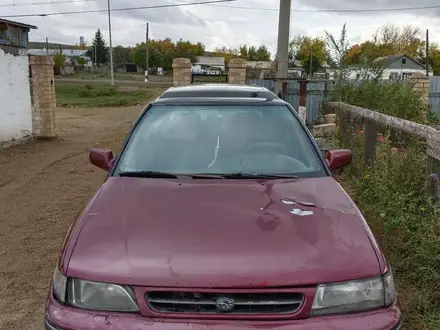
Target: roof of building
<point>210,60</point>
<point>2,20</point>
<point>66,52</point>
<point>388,60</point>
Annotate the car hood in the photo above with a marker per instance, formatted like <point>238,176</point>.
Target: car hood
<point>221,233</point>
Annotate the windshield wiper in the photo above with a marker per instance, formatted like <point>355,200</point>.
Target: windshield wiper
<point>249,175</point>
<point>165,175</point>
<point>148,174</point>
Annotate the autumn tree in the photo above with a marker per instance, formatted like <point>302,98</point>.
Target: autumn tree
<point>189,50</point>
<point>303,48</point>
<point>227,53</point>
<point>400,40</point>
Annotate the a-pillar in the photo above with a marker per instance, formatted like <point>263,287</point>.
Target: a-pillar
<point>181,71</point>
<point>43,97</point>
<point>237,71</point>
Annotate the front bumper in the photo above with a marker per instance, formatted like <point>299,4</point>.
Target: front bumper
<point>59,317</point>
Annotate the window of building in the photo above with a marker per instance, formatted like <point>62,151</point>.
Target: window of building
<point>403,60</point>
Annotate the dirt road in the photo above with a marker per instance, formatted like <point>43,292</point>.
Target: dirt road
<point>43,186</point>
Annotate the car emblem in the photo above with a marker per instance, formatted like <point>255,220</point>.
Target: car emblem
<point>224,304</point>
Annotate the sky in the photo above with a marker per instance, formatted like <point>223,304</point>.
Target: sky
<point>220,24</point>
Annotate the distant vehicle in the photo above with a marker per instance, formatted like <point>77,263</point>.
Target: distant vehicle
<point>220,212</point>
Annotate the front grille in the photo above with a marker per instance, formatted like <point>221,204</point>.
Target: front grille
<point>224,303</point>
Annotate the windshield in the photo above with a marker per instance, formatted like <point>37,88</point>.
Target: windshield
<point>221,139</point>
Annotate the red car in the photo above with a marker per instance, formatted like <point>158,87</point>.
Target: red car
<point>221,213</point>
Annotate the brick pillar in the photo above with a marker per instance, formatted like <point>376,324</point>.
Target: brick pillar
<point>181,71</point>
<point>421,84</point>
<point>237,71</point>
<point>43,97</point>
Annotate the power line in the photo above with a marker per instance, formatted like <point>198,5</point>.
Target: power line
<point>335,10</point>
<point>45,3</point>
<point>120,9</point>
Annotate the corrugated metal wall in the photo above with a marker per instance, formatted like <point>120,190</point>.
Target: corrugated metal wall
<point>434,94</point>
<point>315,95</point>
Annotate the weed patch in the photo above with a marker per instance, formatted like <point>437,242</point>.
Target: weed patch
<point>393,196</point>
<point>89,96</point>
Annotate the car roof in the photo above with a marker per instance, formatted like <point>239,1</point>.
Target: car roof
<point>217,101</point>
<point>218,91</point>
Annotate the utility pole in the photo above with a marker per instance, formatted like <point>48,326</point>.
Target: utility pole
<point>283,45</point>
<point>427,53</point>
<point>147,53</point>
<point>96,59</point>
<point>47,46</point>
<point>310,69</point>
<point>112,77</point>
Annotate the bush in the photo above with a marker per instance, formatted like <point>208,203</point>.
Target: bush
<point>87,93</point>
<point>90,91</point>
<point>392,195</point>
<point>397,99</point>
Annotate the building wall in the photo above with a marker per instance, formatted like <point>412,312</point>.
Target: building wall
<point>211,61</point>
<point>13,39</point>
<point>410,64</point>
<point>15,105</point>
<point>389,72</point>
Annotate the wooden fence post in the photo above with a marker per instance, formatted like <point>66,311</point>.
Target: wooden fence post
<point>303,100</point>
<point>370,143</point>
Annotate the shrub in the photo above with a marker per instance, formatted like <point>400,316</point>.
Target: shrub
<point>87,93</point>
<point>392,195</point>
<point>397,99</point>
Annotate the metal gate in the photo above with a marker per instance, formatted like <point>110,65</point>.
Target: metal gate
<point>206,78</point>
<point>316,93</point>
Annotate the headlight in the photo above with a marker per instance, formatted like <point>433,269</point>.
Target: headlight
<point>101,296</point>
<point>59,285</point>
<point>354,296</point>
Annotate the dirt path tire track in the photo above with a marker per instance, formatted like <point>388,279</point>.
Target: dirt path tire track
<point>43,186</point>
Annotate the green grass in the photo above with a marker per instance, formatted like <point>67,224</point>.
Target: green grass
<point>93,96</point>
<point>106,75</point>
<point>393,196</point>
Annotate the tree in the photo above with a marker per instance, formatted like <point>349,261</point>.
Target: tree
<point>338,48</point>
<point>98,48</point>
<point>311,64</point>
<point>121,55</point>
<point>435,61</point>
<point>302,47</point>
<point>400,40</point>
<point>189,50</point>
<point>80,61</point>
<point>254,53</point>
<point>249,53</point>
<point>59,60</point>
<point>227,53</point>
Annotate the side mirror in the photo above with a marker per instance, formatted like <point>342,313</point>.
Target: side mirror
<point>337,159</point>
<point>101,158</point>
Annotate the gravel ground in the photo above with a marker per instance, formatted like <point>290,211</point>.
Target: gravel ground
<point>43,186</point>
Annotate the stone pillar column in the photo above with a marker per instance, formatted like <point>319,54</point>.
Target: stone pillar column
<point>237,71</point>
<point>43,97</point>
<point>181,71</point>
<point>421,84</point>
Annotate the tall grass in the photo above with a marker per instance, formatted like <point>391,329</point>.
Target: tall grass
<point>393,196</point>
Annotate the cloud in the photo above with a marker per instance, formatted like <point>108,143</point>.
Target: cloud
<point>375,6</point>
<point>216,25</point>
